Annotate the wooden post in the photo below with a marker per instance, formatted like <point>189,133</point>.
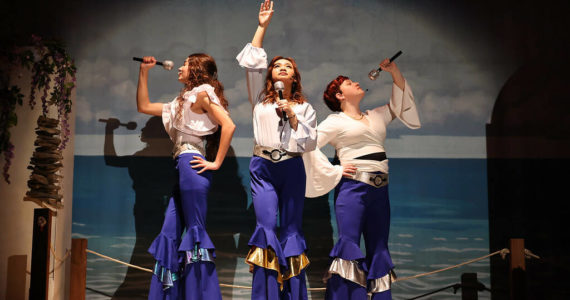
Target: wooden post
<point>517,276</point>
<point>78,272</point>
<point>469,286</point>
<point>41,243</point>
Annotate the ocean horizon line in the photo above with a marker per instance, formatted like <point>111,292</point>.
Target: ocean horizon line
<point>405,146</point>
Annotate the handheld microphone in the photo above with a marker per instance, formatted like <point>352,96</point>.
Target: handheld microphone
<point>130,125</point>
<point>374,73</point>
<point>167,64</point>
<point>279,87</point>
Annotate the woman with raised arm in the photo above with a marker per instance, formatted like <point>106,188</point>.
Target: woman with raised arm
<point>185,267</point>
<point>361,181</point>
<point>284,127</point>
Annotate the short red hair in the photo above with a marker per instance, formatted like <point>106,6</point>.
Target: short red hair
<point>330,93</point>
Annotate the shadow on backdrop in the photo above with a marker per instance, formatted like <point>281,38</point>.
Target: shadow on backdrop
<point>230,222</point>
<point>152,171</point>
<point>319,237</point>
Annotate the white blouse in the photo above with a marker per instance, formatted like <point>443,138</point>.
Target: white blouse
<point>192,127</point>
<point>268,130</point>
<point>352,139</point>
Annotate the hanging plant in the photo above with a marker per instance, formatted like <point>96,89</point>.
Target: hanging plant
<point>52,69</point>
<point>10,97</point>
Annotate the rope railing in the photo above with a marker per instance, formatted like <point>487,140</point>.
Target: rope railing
<point>502,252</point>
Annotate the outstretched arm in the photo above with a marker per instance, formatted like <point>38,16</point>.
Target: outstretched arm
<point>265,14</point>
<point>143,102</point>
<point>392,68</point>
<point>110,155</point>
<point>222,117</point>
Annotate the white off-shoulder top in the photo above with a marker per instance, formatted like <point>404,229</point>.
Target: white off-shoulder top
<point>267,129</point>
<point>192,127</point>
<point>352,139</point>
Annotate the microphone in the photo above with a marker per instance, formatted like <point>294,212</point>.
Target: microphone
<point>374,73</point>
<point>167,64</point>
<point>130,125</point>
<point>279,87</point>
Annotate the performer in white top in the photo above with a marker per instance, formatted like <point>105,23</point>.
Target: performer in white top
<point>185,267</point>
<point>284,127</point>
<point>361,182</point>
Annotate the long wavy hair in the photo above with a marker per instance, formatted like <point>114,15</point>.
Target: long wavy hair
<point>202,69</point>
<point>269,94</point>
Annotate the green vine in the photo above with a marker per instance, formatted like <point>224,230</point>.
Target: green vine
<point>52,67</point>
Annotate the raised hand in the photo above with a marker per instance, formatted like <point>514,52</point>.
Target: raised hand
<point>148,62</point>
<point>112,124</point>
<point>265,13</point>
<point>392,68</point>
<point>388,66</point>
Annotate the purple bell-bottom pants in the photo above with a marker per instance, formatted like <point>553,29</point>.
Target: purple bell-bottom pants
<point>361,209</point>
<point>278,191</point>
<point>185,264</point>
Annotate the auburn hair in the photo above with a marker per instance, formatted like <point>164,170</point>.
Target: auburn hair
<point>330,93</point>
<point>269,94</point>
<point>202,69</point>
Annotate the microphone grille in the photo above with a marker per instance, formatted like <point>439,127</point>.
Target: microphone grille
<point>279,85</point>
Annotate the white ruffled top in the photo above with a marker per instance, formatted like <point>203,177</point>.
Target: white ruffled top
<point>192,127</point>
<point>266,123</point>
<point>352,138</point>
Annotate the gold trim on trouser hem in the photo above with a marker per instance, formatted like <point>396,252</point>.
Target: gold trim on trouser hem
<point>383,283</point>
<point>265,258</point>
<point>347,269</point>
<point>296,264</point>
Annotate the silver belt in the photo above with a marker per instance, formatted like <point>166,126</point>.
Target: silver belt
<point>375,180</point>
<point>272,154</point>
<point>187,147</point>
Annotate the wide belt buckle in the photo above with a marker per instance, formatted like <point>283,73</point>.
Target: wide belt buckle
<point>275,154</point>
<point>376,180</point>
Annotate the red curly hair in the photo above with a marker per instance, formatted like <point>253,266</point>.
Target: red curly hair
<point>330,93</point>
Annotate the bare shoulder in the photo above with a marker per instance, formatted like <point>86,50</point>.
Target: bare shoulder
<point>202,99</point>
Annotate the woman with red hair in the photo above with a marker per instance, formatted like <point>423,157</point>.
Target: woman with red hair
<point>284,127</point>
<point>361,181</point>
<point>184,266</point>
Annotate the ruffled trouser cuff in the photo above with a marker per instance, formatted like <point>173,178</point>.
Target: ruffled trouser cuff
<point>158,292</point>
<point>171,259</point>
<point>351,270</point>
<point>267,259</point>
<point>347,264</point>
<point>165,252</point>
<point>196,235</point>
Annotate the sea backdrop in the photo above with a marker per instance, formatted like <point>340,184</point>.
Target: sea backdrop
<point>439,218</point>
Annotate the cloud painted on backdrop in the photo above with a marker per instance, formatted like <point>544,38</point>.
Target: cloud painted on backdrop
<point>453,89</point>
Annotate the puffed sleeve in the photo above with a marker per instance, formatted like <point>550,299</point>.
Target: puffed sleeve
<point>254,60</point>
<point>305,137</point>
<point>322,176</point>
<point>168,116</point>
<point>403,106</point>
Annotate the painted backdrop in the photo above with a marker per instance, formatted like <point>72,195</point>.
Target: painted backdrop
<point>455,64</point>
